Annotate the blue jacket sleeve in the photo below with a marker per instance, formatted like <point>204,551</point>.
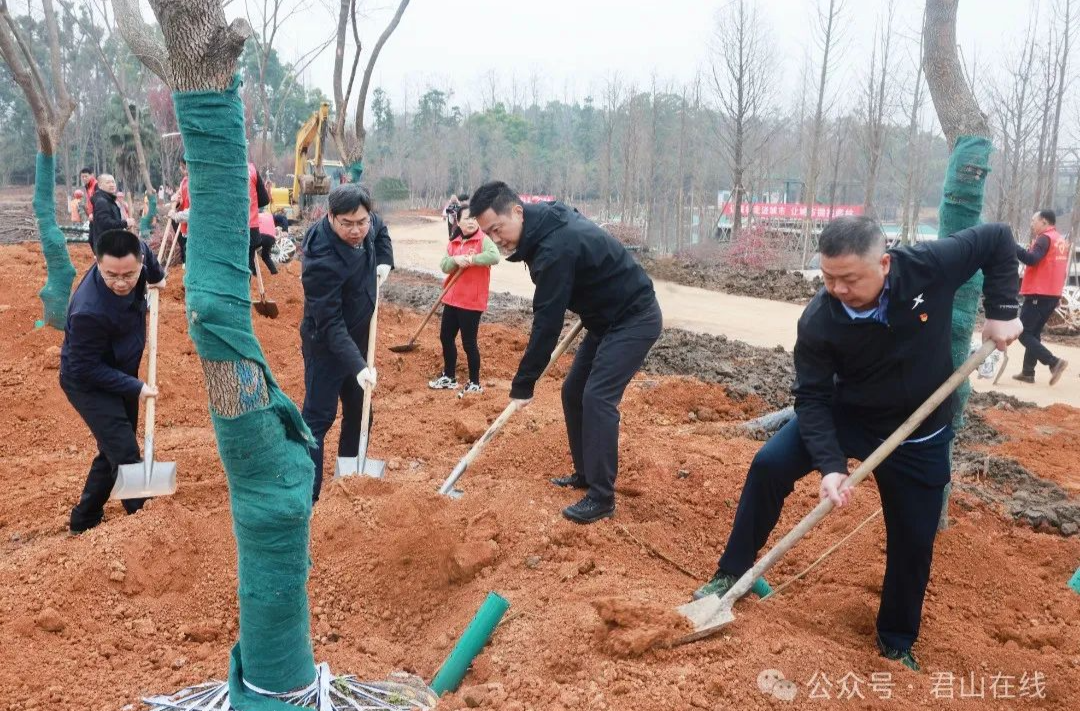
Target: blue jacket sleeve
<point>814,389</point>
<point>1038,250</point>
<point>554,275</point>
<point>322,290</point>
<point>86,343</point>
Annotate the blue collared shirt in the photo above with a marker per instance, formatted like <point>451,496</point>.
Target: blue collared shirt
<point>878,313</point>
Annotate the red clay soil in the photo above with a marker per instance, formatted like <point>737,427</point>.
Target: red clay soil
<point>146,604</point>
<point>1046,441</point>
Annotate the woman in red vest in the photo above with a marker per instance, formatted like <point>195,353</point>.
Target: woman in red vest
<point>463,306</point>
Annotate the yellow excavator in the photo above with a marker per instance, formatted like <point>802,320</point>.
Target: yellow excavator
<point>306,200</point>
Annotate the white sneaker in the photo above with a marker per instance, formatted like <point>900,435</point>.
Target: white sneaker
<point>471,388</point>
<point>443,382</point>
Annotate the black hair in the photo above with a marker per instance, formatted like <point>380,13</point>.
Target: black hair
<point>858,235</point>
<point>347,197</point>
<point>119,244</point>
<point>496,196</point>
<point>463,197</point>
<point>87,170</point>
<point>1049,215</point>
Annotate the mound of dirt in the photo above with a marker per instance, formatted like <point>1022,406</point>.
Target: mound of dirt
<point>146,604</point>
<point>629,628</point>
<point>775,284</point>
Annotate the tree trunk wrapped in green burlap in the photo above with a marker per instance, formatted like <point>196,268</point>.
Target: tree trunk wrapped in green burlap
<point>961,207</point>
<point>57,290</point>
<point>262,440</point>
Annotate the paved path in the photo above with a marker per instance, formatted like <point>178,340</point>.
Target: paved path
<point>759,322</point>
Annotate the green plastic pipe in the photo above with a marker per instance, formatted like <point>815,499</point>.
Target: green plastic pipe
<point>472,641</point>
<point>761,588</point>
<point>1075,582</point>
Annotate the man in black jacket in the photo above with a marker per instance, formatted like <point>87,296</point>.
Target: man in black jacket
<point>576,265</point>
<point>106,214</point>
<point>99,362</point>
<point>872,346</point>
<point>346,254</point>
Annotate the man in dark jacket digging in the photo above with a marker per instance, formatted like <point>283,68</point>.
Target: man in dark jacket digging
<point>576,265</point>
<point>345,255</point>
<point>872,346</point>
<point>99,362</point>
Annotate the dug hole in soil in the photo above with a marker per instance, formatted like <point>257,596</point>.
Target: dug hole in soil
<point>146,604</point>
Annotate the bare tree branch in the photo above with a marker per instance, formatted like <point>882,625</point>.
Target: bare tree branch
<point>957,109</point>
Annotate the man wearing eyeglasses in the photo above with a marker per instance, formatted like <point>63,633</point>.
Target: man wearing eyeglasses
<point>346,254</point>
<point>99,362</point>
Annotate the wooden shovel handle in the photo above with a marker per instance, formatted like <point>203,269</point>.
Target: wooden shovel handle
<point>509,410</point>
<point>365,415</point>
<point>868,465</point>
<point>435,307</point>
<point>165,241</point>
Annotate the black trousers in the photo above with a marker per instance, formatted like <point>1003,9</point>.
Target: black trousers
<point>258,242</point>
<point>911,484</point>
<point>592,392</point>
<point>112,420</point>
<point>468,323</point>
<point>1034,314</point>
<point>326,382</point>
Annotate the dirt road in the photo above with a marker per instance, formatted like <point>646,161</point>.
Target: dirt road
<point>759,322</point>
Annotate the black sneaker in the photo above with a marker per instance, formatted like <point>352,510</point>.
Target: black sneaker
<point>1057,370</point>
<point>573,481</point>
<point>589,511</point>
<point>1025,377</point>
<point>904,656</point>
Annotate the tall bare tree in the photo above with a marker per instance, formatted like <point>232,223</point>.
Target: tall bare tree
<point>51,106</point>
<point>878,97</point>
<point>916,159</point>
<point>828,36</point>
<point>959,115</point>
<point>1068,19</point>
<point>744,83</point>
<point>351,144</point>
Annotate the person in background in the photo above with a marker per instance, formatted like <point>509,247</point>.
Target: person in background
<point>77,208</point>
<point>258,197</point>
<point>1046,270</point>
<point>89,183</point>
<point>106,213</point>
<point>466,301</point>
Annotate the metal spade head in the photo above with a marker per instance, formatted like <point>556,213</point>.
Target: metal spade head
<point>352,466</point>
<point>267,307</point>
<point>140,481</point>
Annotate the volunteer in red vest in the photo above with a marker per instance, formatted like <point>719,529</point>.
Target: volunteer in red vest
<point>89,183</point>
<point>258,197</point>
<point>464,305</point>
<point>1047,264</point>
<point>181,211</point>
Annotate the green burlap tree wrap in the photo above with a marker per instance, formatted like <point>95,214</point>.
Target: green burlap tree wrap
<point>961,206</point>
<point>356,171</point>
<point>61,272</point>
<point>262,440</point>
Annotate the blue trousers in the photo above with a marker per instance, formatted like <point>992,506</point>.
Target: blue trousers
<point>326,382</point>
<point>911,505</point>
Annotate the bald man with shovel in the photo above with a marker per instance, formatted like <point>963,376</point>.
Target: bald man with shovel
<point>872,346</point>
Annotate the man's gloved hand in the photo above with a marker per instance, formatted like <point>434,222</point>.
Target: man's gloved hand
<point>366,378</point>
<point>382,271</point>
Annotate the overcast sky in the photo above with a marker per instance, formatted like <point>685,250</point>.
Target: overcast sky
<point>573,45</point>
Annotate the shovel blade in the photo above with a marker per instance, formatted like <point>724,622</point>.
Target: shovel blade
<point>405,348</point>
<point>267,308</point>
<point>706,615</point>
<point>351,466</point>
<point>131,481</point>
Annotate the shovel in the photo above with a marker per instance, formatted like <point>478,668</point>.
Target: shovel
<point>264,306</point>
<point>412,345</point>
<point>1001,370</point>
<point>147,478</point>
<point>447,488</point>
<point>164,242</point>
<point>709,614</point>
<point>361,464</point>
